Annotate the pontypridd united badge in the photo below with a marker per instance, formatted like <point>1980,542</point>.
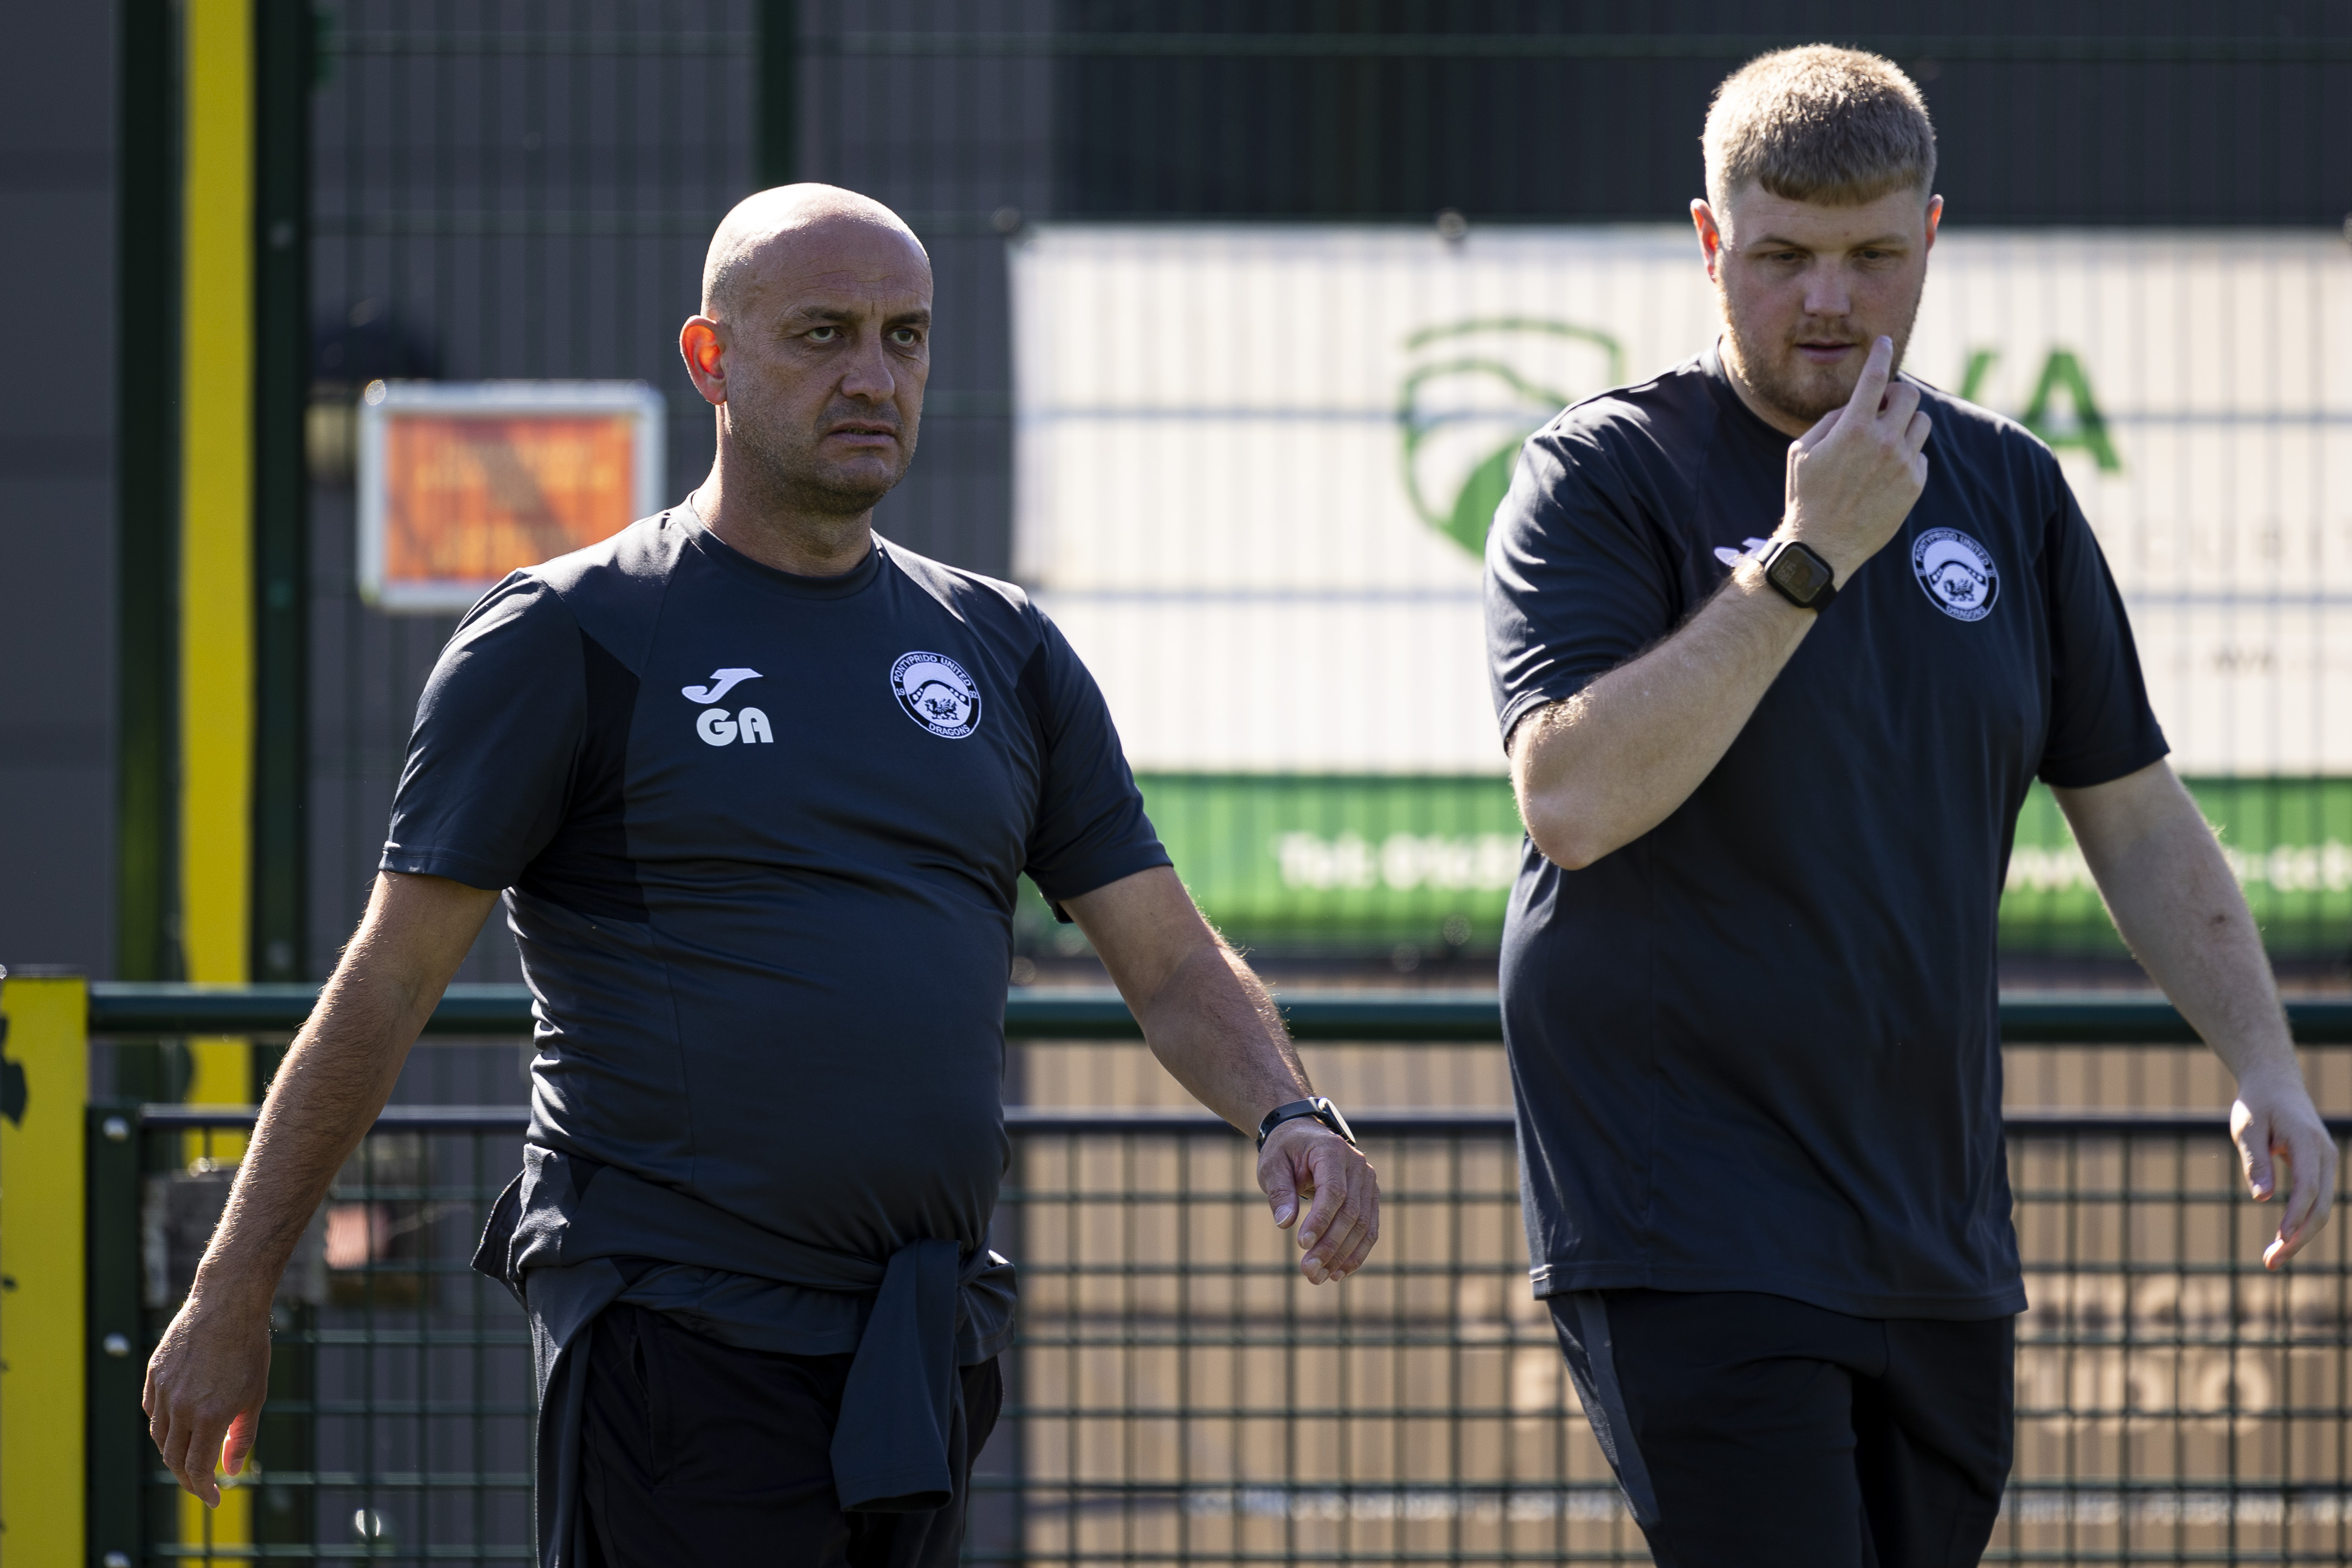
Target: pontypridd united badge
<point>1956,573</point>
<point>935,692</point>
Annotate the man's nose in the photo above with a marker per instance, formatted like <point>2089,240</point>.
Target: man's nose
<point>1826,293</point>
<point>868,377</point>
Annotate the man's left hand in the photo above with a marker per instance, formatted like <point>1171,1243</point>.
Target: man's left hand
<point>2273,1119</point>
<point>1306,1161</point>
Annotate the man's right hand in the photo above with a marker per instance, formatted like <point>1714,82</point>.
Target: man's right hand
<point>204,1387</point>
<point>1856,474</point>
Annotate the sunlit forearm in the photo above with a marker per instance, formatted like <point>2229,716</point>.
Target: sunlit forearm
<point>1597,772</point>
<point>2176,904</point>
<point>1215,1029</point>
<point>337,1074</point>
<point>1206,1017</point>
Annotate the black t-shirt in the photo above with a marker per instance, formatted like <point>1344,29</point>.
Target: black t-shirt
<point>759,837</point>
<point>1757,1048</point>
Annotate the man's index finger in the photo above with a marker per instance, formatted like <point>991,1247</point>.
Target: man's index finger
<point>1875,370</point>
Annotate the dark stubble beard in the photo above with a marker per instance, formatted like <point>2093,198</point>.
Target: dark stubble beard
<point>1781,382</point>
<point>790,473</point>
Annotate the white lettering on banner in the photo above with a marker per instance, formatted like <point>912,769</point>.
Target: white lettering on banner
<point>1403,861</point>
<point>1311,860</point>
<point>2295,867</point>
<point>2288,868</point>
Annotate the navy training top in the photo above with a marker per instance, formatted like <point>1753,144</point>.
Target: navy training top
<point>759,837</point>
<point>1757,1047</point>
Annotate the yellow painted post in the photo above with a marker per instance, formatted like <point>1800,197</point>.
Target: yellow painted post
<point>216,672</point>
<point>44,1060</point>
<point>217,629</point>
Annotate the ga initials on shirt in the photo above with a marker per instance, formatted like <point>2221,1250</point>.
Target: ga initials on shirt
<point>717,729</point>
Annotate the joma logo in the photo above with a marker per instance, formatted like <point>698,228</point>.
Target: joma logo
<point>716,727</point>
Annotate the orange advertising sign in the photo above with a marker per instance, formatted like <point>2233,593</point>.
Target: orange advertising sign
<point>461,484</point>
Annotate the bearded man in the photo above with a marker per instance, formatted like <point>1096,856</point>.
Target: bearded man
<point>1749,966</point>
<point>757,787</point>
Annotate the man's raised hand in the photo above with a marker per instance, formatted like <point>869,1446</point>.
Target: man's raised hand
<point>1855,476</point>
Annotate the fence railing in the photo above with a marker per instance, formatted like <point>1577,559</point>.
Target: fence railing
<point>1417,1017</point>
<point>1178,1395</point>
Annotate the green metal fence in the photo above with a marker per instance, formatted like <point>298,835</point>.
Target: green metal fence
<point>1178,1395</point>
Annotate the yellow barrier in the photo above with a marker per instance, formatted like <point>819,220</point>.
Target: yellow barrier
<point>217,531</point>
<point>216,626</point>
<point>45,1069</point>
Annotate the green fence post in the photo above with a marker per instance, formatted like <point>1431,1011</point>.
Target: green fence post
<point>147,443</point>
<point>281,480</point>
<point>779,97</point>
<point>284,1509</point>
<point>117,1347</point>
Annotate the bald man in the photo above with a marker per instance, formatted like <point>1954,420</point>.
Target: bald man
<point>757,788</point>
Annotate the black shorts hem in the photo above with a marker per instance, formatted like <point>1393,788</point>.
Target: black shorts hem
<point>1561,1280</point>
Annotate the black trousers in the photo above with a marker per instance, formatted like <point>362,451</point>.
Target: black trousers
<point>692,1452</point>
<point>1750,1430</point>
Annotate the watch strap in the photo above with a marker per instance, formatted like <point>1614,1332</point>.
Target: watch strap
<point>1318,1108</point>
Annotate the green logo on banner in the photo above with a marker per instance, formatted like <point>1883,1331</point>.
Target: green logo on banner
<point>1482,388</point>
<point>2061,411</point>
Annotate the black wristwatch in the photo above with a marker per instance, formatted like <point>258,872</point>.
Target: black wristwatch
<point>1320,1109</point>
<point>1798,571</point>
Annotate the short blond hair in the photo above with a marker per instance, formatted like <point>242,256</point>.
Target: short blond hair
<point>1818,123</point>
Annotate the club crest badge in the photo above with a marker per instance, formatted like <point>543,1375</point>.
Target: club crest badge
<point>1956,573</point>
<point>935,692</point>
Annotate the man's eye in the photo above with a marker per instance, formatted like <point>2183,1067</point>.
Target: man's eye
<point>822,334</point>
<point>904,337</point>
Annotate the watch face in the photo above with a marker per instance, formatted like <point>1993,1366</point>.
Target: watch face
<point>1798,572</point>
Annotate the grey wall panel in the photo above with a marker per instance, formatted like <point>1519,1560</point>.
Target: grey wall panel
<point>56,494</point>
<point>57,706</point>
<point>57,281</point>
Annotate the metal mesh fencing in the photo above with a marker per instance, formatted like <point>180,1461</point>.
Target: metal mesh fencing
<point>401,1409</point>
<point>1178,1395</point>
<point>2175,1401</point>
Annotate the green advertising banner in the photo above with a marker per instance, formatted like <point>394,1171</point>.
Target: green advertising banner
<point>1271,561</point>
<point>1368,861</point>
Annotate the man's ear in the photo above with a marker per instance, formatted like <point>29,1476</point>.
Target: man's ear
<point>1935,216</point>
<point>702,343</point>
<point>1710,237</point>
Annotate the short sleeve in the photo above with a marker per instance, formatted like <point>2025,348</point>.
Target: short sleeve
<point>498,731</point>
<point>1091,828</point>
<point>2101,726</point>
<point>1575,585</point>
